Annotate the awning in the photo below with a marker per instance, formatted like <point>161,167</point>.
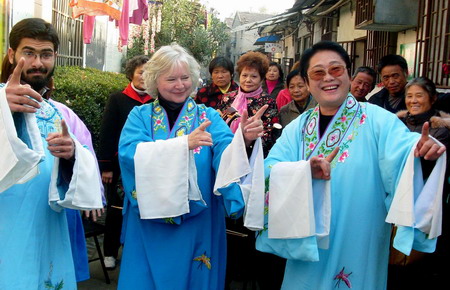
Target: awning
<point>268,38</point>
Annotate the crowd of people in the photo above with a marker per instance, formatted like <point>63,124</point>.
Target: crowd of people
<point>262,182</point>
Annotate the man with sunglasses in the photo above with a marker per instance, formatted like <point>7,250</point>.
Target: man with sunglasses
<point>337,233</point>
<point>43,169</point>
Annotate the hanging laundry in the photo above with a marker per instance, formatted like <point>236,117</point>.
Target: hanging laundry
<point>112,8</point>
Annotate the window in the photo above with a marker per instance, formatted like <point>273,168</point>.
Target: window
<point>70,51</point>
<point>433,42</point>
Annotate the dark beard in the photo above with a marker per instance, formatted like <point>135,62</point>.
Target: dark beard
<point>37,82</point>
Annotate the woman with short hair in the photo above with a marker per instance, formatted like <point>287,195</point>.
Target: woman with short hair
<point>251,68</point>
<point>221,70</point>
<point>170,152</point>
<point>337,233</point>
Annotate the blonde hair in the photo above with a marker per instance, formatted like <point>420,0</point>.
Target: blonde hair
<point>164,60</point>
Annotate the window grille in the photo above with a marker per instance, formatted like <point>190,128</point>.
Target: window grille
<point>70,32</point>
<point>433,42</point>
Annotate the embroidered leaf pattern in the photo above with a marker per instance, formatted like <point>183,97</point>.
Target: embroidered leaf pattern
<point>169,221</point>
<point>48,284</point>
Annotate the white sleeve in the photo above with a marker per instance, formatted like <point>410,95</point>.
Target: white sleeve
<point>424,213</point>
<point>18,162</point>
<point>235,167</point>
<point>166,178</point>
<point>298,208</point>
<point>83,192</point>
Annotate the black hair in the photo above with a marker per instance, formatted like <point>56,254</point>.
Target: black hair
<point>281,74</point>
<point>367,70</point>
<point>221,61</point>
<point>321,46</point>
<point>35,28</point>
<point>133,63</point>
<point>291,75</point>
<point>393,59</point>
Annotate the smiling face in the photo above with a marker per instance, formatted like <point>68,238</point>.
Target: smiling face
<point>175,85</point>
<point>273,73</point>
<point>221,77</point>
<point>39,61</point>
<point>249,79</point>
<point>418,100</point>
<point>329,91</point>
<point>298,90</point>
<point>361,85</point>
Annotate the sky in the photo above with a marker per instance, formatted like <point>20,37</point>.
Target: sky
<point>227,8</point>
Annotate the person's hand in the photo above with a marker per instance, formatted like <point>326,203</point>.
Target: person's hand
<point>252,128</point>
<point>427,147</point>
<point>199,137</point>
<point>16,93</point>
<point>107,176</point>
<point>61,144</point>
<point>95,213</point>
<point>320,167</point>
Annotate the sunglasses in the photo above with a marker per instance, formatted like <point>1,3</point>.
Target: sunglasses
<point>318,73</point>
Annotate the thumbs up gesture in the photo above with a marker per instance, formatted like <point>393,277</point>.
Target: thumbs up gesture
<point>16,93</point>
<point>199,137</point>
<point>61,144</point>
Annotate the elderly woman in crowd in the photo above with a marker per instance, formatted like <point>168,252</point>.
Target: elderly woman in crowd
<point>338,233</point>
<point>284,97</point>
<point>274,80</point>
<point>221,70</point>
<point>117,108</point>
<point>301,98</point>
<point>244,262</point>
<point>169,153</point>
<point>251,67</point>
<point>420,95</point>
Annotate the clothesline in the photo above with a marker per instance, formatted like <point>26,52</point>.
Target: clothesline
<point>124,12</point>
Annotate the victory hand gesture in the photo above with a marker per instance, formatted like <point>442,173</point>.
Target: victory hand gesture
<point>252,128</point>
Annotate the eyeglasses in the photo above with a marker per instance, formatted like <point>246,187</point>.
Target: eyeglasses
<point>30,54</point>
<point>319,73</point>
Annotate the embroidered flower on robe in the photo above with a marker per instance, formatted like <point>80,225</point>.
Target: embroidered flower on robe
<point>333,137</point>
<point>311,126</point>
<point>343,156</point>
<point>350,102</point>
<point>197,150</point>
<point>203,116</point>
<point>311,145</point>
<point>363,119</point>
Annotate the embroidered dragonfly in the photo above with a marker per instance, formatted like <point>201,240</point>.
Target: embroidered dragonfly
<point>203,259</point>
<point>343,277</point>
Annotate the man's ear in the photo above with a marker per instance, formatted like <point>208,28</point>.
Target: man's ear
<point>11,54</point>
